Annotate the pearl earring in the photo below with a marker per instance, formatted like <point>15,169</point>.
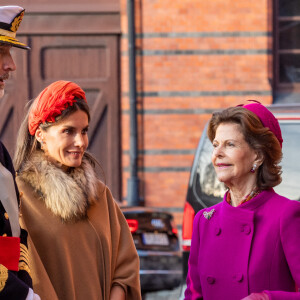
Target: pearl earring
<point>253,168</point>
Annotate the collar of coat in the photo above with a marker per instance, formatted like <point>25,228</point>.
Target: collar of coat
<point>67,194</point>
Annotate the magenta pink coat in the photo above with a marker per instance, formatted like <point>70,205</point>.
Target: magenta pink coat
<point>251,248</point>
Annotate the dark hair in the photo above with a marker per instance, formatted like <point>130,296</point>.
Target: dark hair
<point>259,138</point>
<point>27,143</point>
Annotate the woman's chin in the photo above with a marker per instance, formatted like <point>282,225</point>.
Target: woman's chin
<point>66,164</point>
<point>225,181</point>
<point>222,179</point>
<point>74,164</point>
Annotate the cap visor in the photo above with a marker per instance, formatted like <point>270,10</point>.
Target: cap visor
<point>13,42</point>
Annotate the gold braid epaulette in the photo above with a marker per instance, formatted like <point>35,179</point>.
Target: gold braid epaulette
<point>24,259</point>
<point>3,277</point>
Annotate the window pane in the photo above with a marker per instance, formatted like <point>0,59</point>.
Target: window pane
<point>289,35</point>
<point>288,8</point>
<point>290,162</point>
<point>208,188</point>
<point>289,68</point>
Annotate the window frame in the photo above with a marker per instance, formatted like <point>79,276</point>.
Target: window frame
<point>280,87</point>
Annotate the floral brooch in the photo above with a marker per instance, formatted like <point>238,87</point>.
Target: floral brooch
<point>208,214</point>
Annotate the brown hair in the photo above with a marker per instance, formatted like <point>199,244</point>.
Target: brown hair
<point>259,138</point>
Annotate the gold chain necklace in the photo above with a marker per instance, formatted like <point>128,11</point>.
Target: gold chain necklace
<point>253,194</point>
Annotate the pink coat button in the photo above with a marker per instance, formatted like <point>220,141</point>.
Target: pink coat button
<point>238,277</point>
<point>210,280</point>
<point>246,229</point>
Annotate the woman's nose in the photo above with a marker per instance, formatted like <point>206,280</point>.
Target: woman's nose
<point>217,151</point>
<point>79,140</point>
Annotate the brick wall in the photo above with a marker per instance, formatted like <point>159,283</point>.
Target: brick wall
<point>193,56</point>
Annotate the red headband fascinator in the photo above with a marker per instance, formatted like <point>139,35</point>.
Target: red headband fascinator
<point>50,103</point>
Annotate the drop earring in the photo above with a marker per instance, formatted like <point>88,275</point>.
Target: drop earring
<point>253,168</point>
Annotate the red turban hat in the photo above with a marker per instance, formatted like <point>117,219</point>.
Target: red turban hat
<point>50,103</point>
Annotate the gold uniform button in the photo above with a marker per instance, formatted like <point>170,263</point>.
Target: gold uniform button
<point>4,235</point>
<point>6,216</point>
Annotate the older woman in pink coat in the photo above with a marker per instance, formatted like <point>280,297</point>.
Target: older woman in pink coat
<point>248,246</point>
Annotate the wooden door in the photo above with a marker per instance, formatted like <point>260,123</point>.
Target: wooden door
<point>14,99</point>
<point>76,44</point>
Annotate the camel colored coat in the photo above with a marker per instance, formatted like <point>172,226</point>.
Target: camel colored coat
<point>76,255</point>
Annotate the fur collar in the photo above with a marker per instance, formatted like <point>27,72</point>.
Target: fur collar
<point>67,194</point>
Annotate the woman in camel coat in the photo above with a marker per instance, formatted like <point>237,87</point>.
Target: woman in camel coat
<point>80,243</point>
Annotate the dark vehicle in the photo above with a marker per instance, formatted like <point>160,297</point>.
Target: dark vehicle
<point>156,239</point>
<point>205,190</point>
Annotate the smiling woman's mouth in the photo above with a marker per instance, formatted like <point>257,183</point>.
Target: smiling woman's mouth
<point>74,153</point>
<point>223,166</point>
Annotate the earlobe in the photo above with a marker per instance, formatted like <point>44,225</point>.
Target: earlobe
<point>253,168</point>
<point>257,162</point>
<point>259,159</point>
<point>38,135</point>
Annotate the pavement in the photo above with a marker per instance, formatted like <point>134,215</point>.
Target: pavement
<point>176,294</point>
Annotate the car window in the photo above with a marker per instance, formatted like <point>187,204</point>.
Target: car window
<point>208,190</point>
<point>290,187</point>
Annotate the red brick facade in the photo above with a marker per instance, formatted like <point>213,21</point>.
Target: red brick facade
<point>193,56</point>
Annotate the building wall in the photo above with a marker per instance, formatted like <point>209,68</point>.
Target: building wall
<point>193,56</point>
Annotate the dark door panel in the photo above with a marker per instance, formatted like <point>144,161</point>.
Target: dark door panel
<point>63,49</point>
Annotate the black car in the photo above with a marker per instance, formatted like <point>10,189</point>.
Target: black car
<point>204,189</point>
<point>156,239</point>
